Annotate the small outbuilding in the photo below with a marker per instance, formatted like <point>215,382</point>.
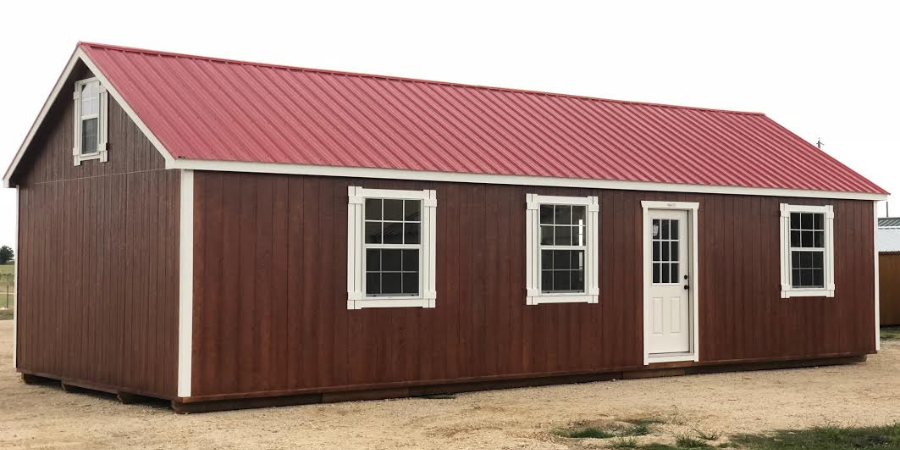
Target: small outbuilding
<point>888,241</point>
<point>226,234</point>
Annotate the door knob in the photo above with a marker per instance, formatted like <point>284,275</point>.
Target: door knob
<point>686,287</point>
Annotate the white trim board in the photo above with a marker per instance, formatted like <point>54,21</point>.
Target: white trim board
<point>185,283</point>
<point>16,285</point>
<point>77,55</point>
<point>693,212</point>
<point>522,180</point>
<point>877,282</point>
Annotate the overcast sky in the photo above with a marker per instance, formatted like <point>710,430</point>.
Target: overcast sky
<point>823,69</point>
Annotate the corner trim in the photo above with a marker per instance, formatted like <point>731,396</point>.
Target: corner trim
<point>877,281</point>
<point>185,283</point>
<point>18,257</point>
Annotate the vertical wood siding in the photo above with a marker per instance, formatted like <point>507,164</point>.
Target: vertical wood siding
<point>270,289</point>
<point>98,256</point>
<point>889,280</point>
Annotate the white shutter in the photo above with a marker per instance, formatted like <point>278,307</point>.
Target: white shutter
<point>785,224</point>
<point>76,147</point>
<point>829,251</point>
<point>103,123</point>
<point>592,266</point>
<point>354,246</point>
<point>532,250</point>
<point>429,244</point>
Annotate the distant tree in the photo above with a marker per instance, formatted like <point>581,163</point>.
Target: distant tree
<point>6,254</point>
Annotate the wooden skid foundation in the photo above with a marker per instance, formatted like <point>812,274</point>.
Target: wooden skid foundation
<point>425,391</point>
<point>662,370</point>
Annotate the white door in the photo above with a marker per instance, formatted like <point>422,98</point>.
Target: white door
<point>668,302</point>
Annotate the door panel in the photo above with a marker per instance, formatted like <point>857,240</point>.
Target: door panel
<point>669,288</point>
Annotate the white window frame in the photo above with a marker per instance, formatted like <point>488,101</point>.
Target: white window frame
<point>102,122</point>
<point>787,290</point>
<point>591,293</point>
<point>356,254</point>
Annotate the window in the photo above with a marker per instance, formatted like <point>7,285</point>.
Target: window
<point>666,261</point>
<point>90,121</point>
<point>562,257</point>
<point>807,263</point>
<point>390,251</point>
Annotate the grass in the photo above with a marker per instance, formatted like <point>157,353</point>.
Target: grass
<point>625,443</point>
<point>439,396</point>
<point>824,438</point>
<point>7,279</point>
<point>890,333</point>
<point>713,436</point>
<point>682,442</point>
<point>634,427</point>
<point>689,442</point>
<point>622,436</point>
<point>585,433</point>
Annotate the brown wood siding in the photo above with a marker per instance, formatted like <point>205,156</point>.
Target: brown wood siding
<point>98,259</point>
<point>270,289</point>
<point>889,281</point>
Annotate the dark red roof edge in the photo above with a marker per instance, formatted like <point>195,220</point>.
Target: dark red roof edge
<point>404,79</point>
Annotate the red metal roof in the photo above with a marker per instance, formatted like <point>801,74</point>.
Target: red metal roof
<point>214,109</point>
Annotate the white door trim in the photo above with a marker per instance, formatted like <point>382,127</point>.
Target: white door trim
<point>692,210</point>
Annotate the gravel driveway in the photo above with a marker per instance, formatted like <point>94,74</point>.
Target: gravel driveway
<point>863,394</point>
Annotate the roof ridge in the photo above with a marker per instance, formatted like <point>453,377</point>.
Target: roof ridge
<point>406,79</point>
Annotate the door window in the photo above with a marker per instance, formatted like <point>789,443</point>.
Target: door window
<point>666,261</point>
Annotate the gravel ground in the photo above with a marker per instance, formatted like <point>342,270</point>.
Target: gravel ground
<point>43,417</point>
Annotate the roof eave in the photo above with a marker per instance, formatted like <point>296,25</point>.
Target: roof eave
<point>524,180</point>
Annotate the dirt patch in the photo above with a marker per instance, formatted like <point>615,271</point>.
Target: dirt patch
<point>859,395</point>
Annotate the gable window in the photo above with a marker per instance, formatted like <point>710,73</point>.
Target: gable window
<point>807,247</point>
<point>562,259</point>
<point>91,104</point>
<point>390,248</point>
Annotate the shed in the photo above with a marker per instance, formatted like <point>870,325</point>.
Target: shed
<point>225,234</point>
<point>887,240</point>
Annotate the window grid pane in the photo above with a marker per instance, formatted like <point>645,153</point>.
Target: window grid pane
<point>562,271</point>
<point>393,272</point>
<point>808,268</point>
<point>807,230</point>
<point>89,135</point>
<point>562,227</point>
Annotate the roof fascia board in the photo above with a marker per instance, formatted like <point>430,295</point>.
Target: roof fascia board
<point>415,175</point>
<point>77,55</point>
